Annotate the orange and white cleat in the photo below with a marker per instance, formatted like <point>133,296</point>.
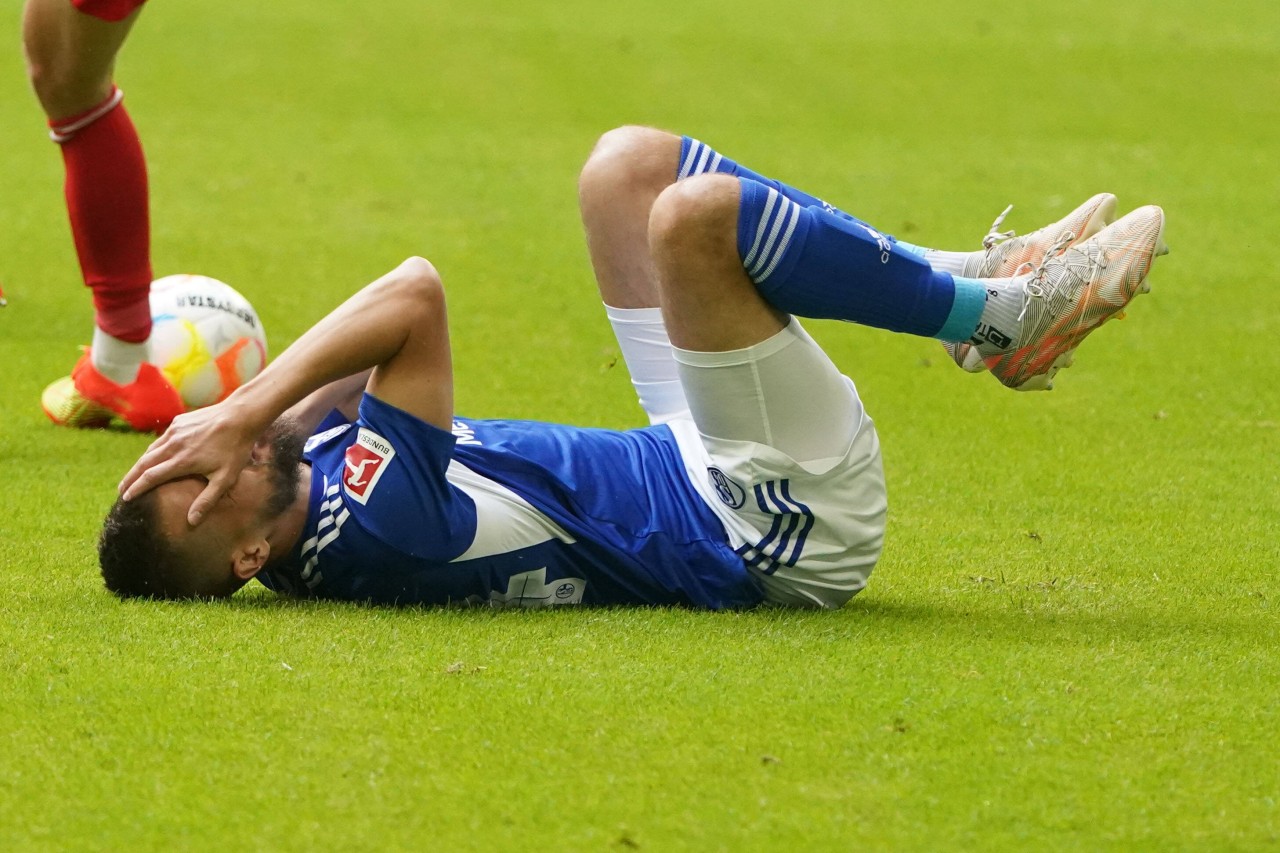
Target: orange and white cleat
<point>1008,255</point>
<point>88,400</point>
<point>1073,291</point>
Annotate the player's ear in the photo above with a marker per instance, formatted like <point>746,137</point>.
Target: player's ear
<point>249,558</point>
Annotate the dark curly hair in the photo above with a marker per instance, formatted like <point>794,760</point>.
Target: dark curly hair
<point>136,559</point>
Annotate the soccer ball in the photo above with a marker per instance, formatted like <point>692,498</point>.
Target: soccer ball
<point>205,337</point>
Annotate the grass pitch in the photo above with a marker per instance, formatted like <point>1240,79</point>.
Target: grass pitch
<point>1071,639</point>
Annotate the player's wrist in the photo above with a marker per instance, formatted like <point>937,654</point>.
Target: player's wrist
<point>250,410</point>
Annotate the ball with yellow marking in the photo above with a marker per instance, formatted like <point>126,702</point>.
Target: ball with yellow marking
<point>205,337</point>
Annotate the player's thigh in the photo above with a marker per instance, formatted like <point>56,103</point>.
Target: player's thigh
<point>783,392</point>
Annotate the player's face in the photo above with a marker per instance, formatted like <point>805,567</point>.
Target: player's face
<point>265,489</point>
<point>210,548</point>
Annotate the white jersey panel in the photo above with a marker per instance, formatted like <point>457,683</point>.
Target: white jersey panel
<point>504,521</point>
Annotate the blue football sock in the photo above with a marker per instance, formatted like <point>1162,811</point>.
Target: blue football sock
<point>811,261</point>
<point>697,158</point>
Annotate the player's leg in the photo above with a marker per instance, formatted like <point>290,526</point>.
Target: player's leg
<point>71,54</point>
<point>631,165</point>
<point>617,187</point>
<point>731,254</point>
<point>716,315</point>
<point>794,463</point>
<point>626,171</point>
<point>795,459</point>
<point>623,177</point>
<point>1003,254</point>
<point>70,58</point>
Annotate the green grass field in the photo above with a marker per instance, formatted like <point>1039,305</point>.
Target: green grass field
<point>1071,640</point>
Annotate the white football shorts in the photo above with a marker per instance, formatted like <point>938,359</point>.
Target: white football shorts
<point>776,441</point>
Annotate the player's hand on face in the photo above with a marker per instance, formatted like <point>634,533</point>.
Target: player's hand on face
<point>209,443</point>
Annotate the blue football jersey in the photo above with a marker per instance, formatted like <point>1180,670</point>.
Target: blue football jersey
<point>506,512</point>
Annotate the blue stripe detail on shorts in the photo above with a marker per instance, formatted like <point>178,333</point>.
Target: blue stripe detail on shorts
<point>778,547</point>
<point>808,522</point>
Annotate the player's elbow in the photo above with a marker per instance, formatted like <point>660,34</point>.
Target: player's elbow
<point>416,289</point>
<point>420,271</point>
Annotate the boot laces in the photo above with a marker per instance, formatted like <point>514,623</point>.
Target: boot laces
<point>994,235</point>
<point>1039,286</point>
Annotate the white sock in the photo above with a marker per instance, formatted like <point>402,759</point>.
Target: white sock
<point>956,263</point>
<point>1000,325</point>
<point>116,359</point>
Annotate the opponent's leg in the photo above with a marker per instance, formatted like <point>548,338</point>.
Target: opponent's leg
<point>70,57</point>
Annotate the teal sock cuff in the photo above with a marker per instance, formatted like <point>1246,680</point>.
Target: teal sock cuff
<point>966,310</point>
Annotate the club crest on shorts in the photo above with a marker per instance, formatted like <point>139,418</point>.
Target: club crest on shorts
<point>366,459</point>
<point>730,493</point>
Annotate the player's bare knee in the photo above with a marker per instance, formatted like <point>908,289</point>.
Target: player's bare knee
<point>629,159</point>
<point>694,212</point>
<point>424,278</point>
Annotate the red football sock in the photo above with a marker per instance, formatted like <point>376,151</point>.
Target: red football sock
<point>107,201</point>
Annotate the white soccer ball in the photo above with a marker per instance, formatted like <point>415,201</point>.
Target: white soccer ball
<point>205,337</point>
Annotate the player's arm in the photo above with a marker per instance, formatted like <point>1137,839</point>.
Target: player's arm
<point>397,326</point>
<point>341,394</point>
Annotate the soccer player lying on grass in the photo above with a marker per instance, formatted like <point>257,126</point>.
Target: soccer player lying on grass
<point>759,479</point>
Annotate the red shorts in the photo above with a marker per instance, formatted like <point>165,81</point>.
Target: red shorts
<point>108,10</point>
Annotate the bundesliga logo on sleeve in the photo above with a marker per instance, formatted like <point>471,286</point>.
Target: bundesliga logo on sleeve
<point>365,462</point>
